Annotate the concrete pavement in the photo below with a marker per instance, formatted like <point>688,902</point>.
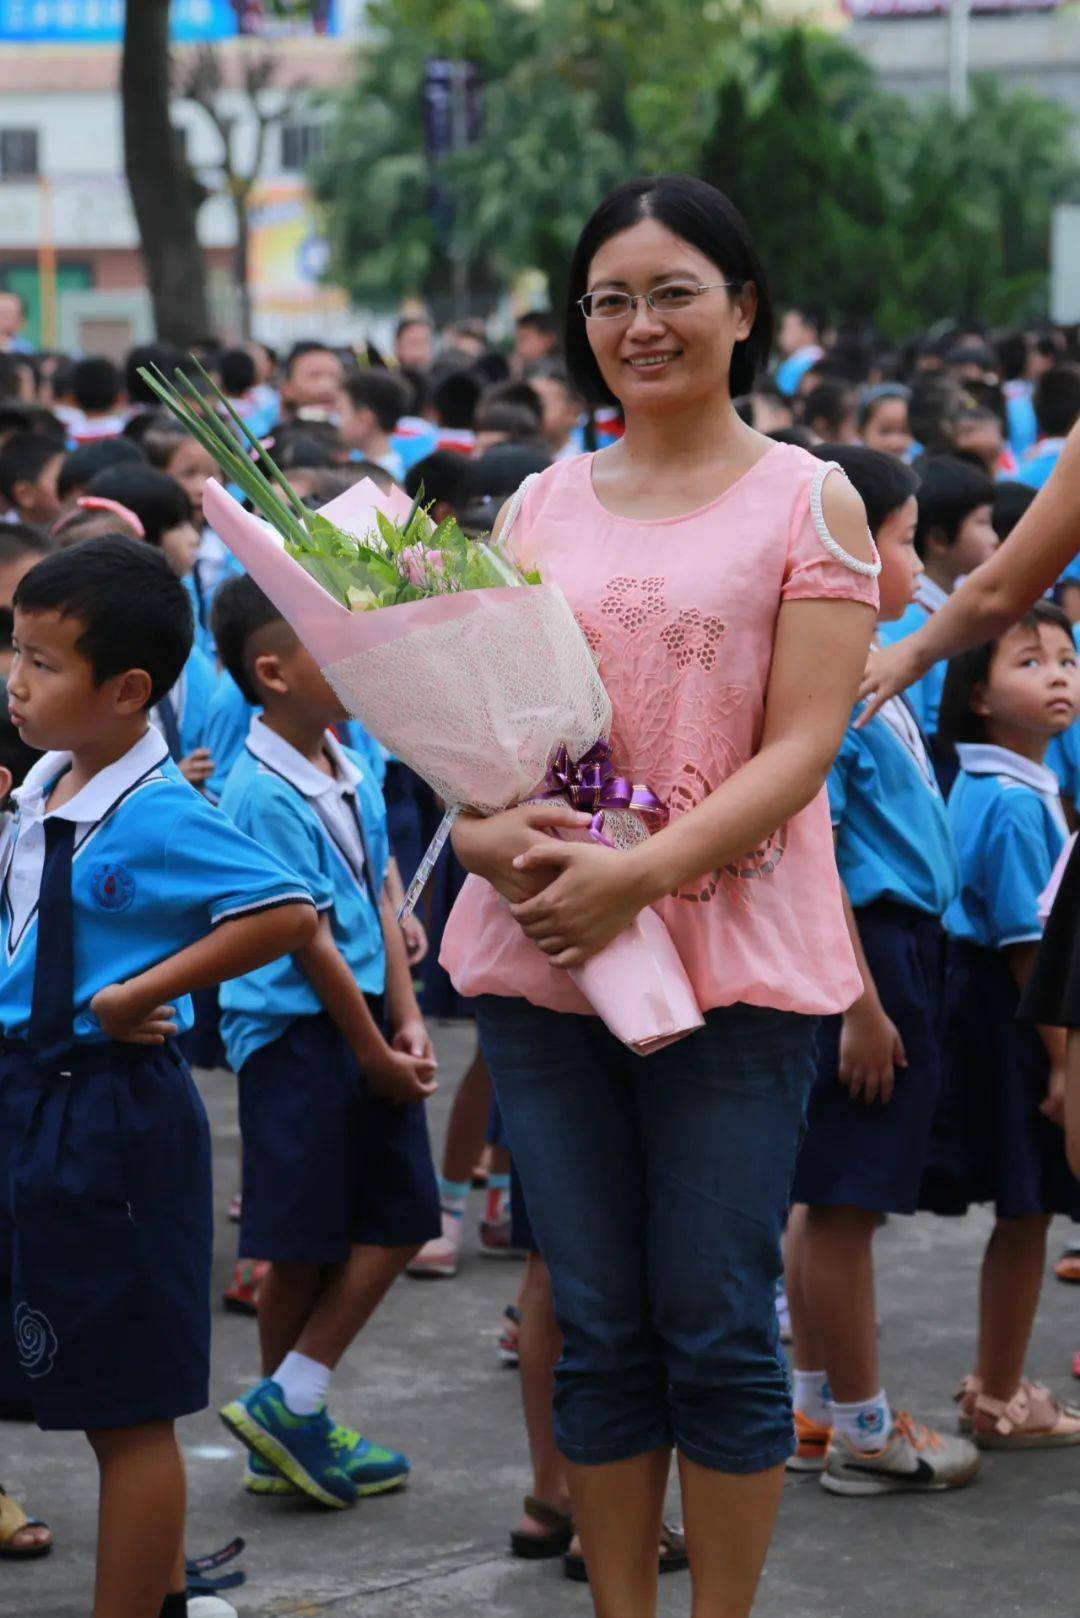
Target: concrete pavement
<point>426,1378</point>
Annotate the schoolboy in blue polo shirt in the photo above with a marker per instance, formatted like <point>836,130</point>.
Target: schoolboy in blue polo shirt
<point>871,1109</point>
<point>122,891</point>
<point>339,1188</point>
<point>955,535</point>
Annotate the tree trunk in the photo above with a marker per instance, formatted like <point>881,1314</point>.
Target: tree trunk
<point>242,265</point>
<point>163,189</point>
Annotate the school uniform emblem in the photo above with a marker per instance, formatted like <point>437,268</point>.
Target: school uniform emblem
<point>35,1341</point>
<point>112,887</point>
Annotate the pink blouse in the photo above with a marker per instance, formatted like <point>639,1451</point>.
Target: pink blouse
<point>680,613</point>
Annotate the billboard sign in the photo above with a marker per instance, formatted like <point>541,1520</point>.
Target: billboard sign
<point>101,22</point>
<point>939,8</point>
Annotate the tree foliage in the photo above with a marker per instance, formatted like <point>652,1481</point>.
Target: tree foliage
<point>867,206</point>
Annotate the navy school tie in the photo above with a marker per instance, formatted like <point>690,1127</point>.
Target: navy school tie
<point>166,714</point>
<point>53,1005</point>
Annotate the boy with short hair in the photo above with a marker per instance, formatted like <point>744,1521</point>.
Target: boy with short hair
<point>98,390</point>
<point>29,468</point>
<point>955,535</point>
<point>375,402</point>
<point>123,890</point>
<point>339,1188</point>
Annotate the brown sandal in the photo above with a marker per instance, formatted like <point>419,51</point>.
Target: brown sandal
<point>673,1557</point>
<point>540,1547</point>
<point>13,1520</point>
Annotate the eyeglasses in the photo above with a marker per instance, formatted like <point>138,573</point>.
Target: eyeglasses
<point>663,300</point>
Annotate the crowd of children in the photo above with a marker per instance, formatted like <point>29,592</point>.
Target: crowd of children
<point>187,807</point>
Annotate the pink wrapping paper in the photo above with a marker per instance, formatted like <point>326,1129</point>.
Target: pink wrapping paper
<point>637,984</point>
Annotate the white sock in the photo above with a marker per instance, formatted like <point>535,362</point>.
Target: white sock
<point>305,1383</point>
<point>453,1196</point>
<point>812,1396</point>
<point>866,1425</point>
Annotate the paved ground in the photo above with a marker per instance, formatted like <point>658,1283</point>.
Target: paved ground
<point>427,1378</point>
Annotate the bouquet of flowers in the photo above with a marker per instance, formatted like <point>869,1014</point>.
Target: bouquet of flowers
<point>474,674</point>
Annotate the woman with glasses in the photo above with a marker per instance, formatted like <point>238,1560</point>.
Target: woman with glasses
<point>726,584</point>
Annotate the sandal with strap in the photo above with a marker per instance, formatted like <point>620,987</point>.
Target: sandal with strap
<point>13,1520</point>
<point>673,1557</point>
<point>541,1547</point>
<point>1031,1419</point>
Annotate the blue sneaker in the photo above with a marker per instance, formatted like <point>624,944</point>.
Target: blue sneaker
<point>299,1447</point>
<point>262,1478</point>
<point>373,1470</point>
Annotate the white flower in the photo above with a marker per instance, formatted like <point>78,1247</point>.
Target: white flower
<point>364,600</point>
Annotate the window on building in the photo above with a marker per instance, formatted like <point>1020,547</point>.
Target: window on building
<point>18,154</point>
<point>301,144</point>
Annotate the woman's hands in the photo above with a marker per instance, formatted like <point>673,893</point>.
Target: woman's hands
<point>489,847</point>
<point>594,893</point>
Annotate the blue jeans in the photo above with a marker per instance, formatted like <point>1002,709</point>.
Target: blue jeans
<point>658,1189</point>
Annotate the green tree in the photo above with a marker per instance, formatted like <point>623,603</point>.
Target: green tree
<point>579,94</point>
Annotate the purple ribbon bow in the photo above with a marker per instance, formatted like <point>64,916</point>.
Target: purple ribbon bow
<point>591,785</point>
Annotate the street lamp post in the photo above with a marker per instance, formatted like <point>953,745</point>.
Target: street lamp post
<point>958,27</point>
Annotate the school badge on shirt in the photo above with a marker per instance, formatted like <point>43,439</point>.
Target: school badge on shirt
<point>112,887</point>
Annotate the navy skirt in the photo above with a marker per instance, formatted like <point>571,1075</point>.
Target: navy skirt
<point>991,1143</point>
<point>864,1155</point>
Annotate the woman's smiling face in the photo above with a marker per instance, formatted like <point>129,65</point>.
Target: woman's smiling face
<point>662,360</point>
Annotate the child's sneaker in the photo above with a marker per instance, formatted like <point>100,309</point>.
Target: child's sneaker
<point>241,1296</point>
<point>373,1470</point>
<point>509,1336</point>
<point>916,1460</point>
<point>812,1442</point>
<point>439,1257</point>
<point>1031,1419</point>
<point>301,1448</point>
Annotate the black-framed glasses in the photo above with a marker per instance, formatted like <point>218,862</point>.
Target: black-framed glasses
<point>663,300</point>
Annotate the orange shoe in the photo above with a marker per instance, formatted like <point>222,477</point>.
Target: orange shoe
<point>241,1296</point>
<point>811,1441</point>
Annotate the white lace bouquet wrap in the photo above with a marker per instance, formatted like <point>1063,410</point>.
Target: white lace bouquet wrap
<point>475,690</point>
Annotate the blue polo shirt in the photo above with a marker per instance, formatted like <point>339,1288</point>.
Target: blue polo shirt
<point>925,695</point>
<point>190,697</point>
<point>228,722</point>
<point>309,821</point>
<point>1040,461</point>
<point>155,868</point>
<point>892,828</point>
<point>1009,829</point>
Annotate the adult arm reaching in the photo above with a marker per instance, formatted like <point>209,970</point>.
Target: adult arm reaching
<point>1032,559</point>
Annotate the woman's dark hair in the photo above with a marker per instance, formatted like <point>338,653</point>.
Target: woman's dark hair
<point>699,214</point>
<point>1011,500</point>
<point>883,482</point>
<point>950,489</point>
<point>134,611</point>
<point>957,722</point>
<point>157,500</point>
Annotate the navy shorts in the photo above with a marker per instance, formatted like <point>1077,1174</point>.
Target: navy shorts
<point>328,1164</point>
<point>658,1190</point>
<point>990,1142</point>
<point>864,1155</point>
<point>106,1222</point>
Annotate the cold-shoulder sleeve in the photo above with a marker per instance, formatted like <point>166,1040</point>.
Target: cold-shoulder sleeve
<point>818,567</point>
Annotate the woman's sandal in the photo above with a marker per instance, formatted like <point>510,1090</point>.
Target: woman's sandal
<point>673,1557</point>
<point>541,1547</point>
<point>13,1520</point>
